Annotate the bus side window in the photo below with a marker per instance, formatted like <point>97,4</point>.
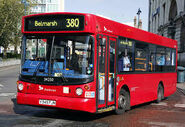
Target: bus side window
<point>168,60</point>
<point>152,52</point>
<point>125,55</point>
<point>141,57</point>
<point>173,62</point>
<point>160,59</point>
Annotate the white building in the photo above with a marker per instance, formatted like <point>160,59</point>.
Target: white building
<point>48,6</point>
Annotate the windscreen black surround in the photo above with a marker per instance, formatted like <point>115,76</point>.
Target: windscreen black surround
<point>54,23</point>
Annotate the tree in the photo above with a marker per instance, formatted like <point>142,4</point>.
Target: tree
<point>10,22</point>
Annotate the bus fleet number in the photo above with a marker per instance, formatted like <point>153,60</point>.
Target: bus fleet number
<point>73,23</point>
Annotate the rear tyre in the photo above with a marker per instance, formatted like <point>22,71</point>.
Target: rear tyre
<point>160,93</point>
<point>123,102</point>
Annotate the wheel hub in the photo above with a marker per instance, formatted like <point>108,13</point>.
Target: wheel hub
<point>121,101</point>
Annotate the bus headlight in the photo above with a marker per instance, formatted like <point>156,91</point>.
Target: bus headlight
<point>79,91</point>
<point>20,87</point>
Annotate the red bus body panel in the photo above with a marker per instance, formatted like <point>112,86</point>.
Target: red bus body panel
<point>81,104</point>
<point>142,87</point>
<point>33,92</point>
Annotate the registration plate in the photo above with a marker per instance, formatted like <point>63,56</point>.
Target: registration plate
<point>47,102</point>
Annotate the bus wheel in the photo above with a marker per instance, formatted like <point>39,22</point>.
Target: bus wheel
<point>123,102</point>
<point>160,93</point>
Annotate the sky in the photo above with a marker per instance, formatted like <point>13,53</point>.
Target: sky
<point>122,11</point>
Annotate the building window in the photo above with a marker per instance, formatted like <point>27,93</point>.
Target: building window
<point>43,8</point>
<point>52,8</point>
<point>164,8</point>
<point>52,1</point>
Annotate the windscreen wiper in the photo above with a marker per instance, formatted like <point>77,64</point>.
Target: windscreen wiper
<point>35,72</point>
<point>58,68</point>
<point>51,56</point>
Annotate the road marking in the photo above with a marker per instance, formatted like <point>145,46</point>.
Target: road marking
<point>166,124</point>
<point>1,86</point>
<point>3,111</point>
<point>161,104</point>
<point>6,94</point>
<point>180,105</point>
<point>7,68</point>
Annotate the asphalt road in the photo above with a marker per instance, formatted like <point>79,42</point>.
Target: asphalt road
<point>8,78</point>
<point>169,113</point>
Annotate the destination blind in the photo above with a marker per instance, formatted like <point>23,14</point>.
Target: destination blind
<point>55,23</point>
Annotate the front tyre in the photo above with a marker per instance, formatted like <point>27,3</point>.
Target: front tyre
<point>123,102</point>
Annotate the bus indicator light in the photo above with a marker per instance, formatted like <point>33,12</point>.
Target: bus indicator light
<point>86,87</point>
<point>117,79</point>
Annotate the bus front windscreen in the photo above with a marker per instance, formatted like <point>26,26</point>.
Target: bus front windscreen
<point>58,59</point>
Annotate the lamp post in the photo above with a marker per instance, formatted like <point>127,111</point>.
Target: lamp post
<point>25,5</point>
<point>138,13</point>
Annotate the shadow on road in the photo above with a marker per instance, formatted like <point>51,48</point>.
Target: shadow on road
<point>57,113</point>
<point>71,115</point>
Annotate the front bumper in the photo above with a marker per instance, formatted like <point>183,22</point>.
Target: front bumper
<point>81,104</point>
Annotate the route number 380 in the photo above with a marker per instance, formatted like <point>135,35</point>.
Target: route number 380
<point>73,22</point>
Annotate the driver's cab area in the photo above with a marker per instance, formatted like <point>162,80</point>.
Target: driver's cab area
<point>65,57</point>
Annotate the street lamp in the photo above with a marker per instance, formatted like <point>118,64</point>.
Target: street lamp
<point>138,13</point>
<point>25,5</point>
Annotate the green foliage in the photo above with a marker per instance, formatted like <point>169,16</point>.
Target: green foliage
<point>11,55</point>
<point>10,22</point>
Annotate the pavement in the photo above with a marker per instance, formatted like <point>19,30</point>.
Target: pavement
<point>181,85</point>
<point>10,62</point>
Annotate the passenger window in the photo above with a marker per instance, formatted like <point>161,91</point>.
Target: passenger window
<point>126,55</point>
<point>152,52</point>
<point>168,60</point>
<point>160,59</point>
<point>141,57</point>
<point>173,60</point>
<point>168,57</point>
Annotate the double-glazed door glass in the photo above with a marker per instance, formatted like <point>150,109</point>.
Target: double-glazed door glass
<point>101,70</point>
<point>106,71</point>
<point>111,72</point>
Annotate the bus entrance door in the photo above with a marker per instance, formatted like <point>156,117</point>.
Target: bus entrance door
<point>106,72</point>
<point>111,70</point>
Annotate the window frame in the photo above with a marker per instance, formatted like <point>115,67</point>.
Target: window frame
<point>148,57</point>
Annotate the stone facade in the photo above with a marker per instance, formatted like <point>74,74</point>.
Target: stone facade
<point>167,18</point>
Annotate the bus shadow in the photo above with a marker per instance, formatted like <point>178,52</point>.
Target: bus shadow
<point>72,115</point>
<point>57,113</point>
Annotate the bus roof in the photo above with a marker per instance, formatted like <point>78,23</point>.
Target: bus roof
<point>99,25</point>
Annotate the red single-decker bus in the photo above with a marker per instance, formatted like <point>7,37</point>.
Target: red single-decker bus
<point>89,63</point>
